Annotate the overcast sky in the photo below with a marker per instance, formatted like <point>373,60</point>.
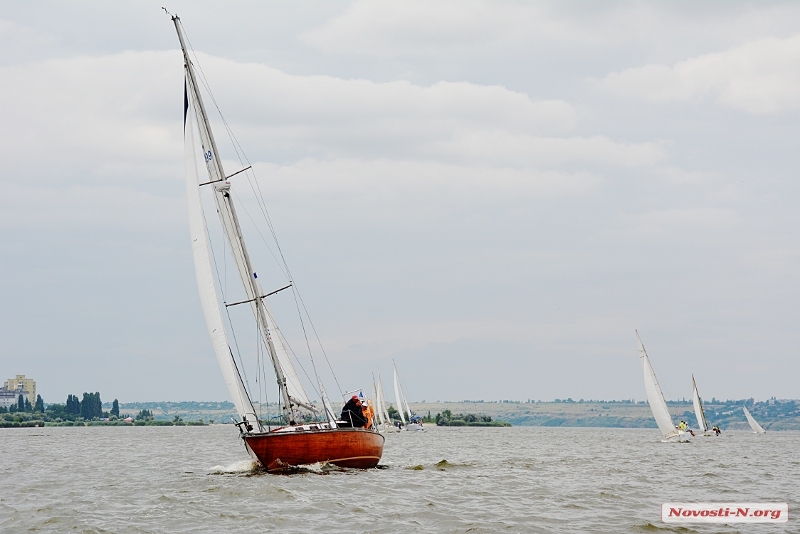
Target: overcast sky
<point>495,195</point>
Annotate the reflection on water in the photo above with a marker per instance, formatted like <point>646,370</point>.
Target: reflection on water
<point>199,479</point>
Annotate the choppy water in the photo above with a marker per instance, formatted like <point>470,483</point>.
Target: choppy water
<point>198,479</point>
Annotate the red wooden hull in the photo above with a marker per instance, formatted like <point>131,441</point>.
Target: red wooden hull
<point>345,447</point>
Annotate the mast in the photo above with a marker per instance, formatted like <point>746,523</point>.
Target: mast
<point>233,233</point>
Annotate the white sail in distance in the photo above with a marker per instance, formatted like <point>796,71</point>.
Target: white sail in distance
<point>206,285</point>
<point>398,397</point>
<point>376,407</point>
<point>758,429</point>
<point>382,401</point>
<point>658,405</point>
<point>699,413</point>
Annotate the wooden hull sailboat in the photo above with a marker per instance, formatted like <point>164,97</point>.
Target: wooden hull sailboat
<point>309,444</point>
<point>297,442</point>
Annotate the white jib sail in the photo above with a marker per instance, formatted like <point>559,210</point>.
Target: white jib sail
<point>698,408</point>
<point>376,406</point>
<point>758,429</point>
<point>402,395</point>
<point>398,398</point>
<point>206,285</point>
<point>382,402</point>
<point>654,395</point>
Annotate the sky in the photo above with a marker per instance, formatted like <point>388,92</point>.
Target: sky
<point>495,195</point>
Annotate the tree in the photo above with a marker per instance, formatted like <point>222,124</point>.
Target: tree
<point>393,413</point>
<point>28,406</point>
<point>115,408</point>
<point>144,415</point>
<point>91,406</point>
<point>21,404</point>
<point>73,405</point>
<point>39,404</point>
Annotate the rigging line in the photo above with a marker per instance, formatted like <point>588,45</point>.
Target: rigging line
<point>258,230</point>
<point>305,335</point>
<point>260,200</point>
<point>282,339</point>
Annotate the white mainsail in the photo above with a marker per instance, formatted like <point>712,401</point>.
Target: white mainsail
<point>698,408</point>
<point>758,429</point>
<point>654,395</point>
<point>398,396</point>
<point>291,388</point>
<point>205,283</point>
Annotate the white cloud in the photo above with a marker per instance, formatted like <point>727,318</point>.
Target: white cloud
<point>760,77</point>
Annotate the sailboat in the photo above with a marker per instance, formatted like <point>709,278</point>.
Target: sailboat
<point>414,422</point>
<point>297,442</point>
<point>655,398</point>
<point>699,412</point>
<point>385,422</point>
<point>757,429</point>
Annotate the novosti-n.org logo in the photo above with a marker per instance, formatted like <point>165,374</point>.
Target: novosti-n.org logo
<point>709,512</point>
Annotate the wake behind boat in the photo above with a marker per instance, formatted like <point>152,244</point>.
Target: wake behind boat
<point>298,442</point>
<point>655,398</point>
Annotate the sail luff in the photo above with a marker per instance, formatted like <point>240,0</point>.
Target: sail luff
<point>699,413</point>
<point>758,429</point>
<point>658,405</point>
<point>206,284</point>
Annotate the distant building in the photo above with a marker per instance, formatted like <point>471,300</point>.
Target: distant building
<point>10,397</point>
<point>20,382</point>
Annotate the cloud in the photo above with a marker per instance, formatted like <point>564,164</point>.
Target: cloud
<point>760,77</point>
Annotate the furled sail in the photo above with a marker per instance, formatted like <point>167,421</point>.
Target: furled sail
<point>654,395</point>
<point>206,285</point>
<point>698,408</point>
<point>398,396</point>
<point>758,429</point>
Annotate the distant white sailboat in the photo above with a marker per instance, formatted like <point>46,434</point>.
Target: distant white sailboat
<point>699,412</point>
<point>414,422</point>
<point>757,429</point>
<point>385,422</point>
<point>656,400</point>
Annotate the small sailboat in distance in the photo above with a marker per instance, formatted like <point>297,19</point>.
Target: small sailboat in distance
<point>757,429</point>
<point>658,405</point>
<point>699,413</point>
<point>414,422</point>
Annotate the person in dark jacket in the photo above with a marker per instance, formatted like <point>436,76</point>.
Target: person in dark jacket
<point>352,414</point>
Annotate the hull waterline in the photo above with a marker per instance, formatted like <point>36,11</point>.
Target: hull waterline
<point>344,447</point>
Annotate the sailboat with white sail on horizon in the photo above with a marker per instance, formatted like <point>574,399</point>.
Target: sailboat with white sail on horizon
<point>414,422</point>
<point>757,429</point>
<point>308,434</point>
<point>658,405</point>
<point>699,413</point>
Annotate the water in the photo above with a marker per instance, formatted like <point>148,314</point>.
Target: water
<point>198,479</point>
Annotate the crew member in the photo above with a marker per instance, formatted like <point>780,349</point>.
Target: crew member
<point>353,414</point>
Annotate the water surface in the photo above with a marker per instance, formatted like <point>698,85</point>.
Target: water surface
<point>522,479</point>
